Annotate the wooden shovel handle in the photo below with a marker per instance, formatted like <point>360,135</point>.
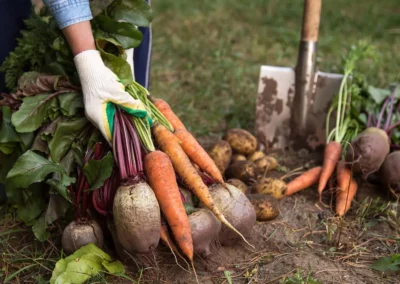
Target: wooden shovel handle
<point>311,18</point>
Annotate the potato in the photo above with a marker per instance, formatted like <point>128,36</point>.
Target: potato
<point>256,155</point>
<point>239,184</point>
<point>238,157</point>
<point>221,153</point>
<point>241,141</point>
<point>266,164</point>
<point>266,206</point>
<point>271,186</point>
<point>243,170</point>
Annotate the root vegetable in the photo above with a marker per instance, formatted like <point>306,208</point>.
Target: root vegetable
<point>332,154</point>
<point>238,157</point>
<point>137,217</point>
<point>241,141</point>
<point>238,184</point>
<point>198,155</point>
<point>242,170</point>
<point>136,211</point>
<point>166,110</point>
<point>162,179</point>
<point>266,164</point>
<point>256,155</point>
<point>170,145</point>
<point>79,234</point>
<point>266,206</point>
<point>237,209</point>
<point>167,240</point>
<point>347,189</point>
<point>205,229</point>
<point>368,150</point>
<point>389,174</point>
<point>270,186</point>
<point>307,179</point>
<point>221,153</point>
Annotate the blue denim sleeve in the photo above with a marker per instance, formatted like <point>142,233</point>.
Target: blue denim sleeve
<point>69,12</point>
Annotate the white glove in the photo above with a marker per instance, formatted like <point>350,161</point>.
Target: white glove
<point>102,91</point>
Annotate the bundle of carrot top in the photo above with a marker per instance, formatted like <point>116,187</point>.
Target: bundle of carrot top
<point>155,182</point>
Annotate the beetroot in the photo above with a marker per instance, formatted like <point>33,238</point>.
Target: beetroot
<point>389,174</point>
<point>78,234</point>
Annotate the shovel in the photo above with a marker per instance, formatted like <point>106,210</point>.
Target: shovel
<point>292,103</point>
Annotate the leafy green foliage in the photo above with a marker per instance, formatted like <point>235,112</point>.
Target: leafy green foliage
<point>86,262</point>
<point>390,263</point>
<point>97,171</point>
<point>136,12</point>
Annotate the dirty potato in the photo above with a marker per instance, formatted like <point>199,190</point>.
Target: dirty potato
<point>238,157</point>
<point>221,153</point>
<point>239,184</point>
<point>266,206</point>
<point>241,141</point>
<point>256,155</point>
<point>265,164</point>
<point>271,186</point>
<point>242,170</point>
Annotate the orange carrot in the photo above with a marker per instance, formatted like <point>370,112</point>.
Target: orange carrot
<point>303,181</point>
<point>169,144</point>
<point>166,110</point>
<point>198,155</point>
<point>162,180</point>
<point>331,156</point>
<point>166,238</point>
<point>347,189</point>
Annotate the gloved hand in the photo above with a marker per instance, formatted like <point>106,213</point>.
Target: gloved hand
<point>102,92</point>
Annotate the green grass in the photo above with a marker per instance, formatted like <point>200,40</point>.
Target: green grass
<point>207,54</point>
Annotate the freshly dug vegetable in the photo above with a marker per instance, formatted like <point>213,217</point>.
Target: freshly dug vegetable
<point>237,209</point>
<point>137,217</point>
<point>304,181</point>
<point>136,211</point>
<point>266,164</point>
<point>78,234</point>
<point>167,240</point>
<point>347,189</point>
<point>332,153</point>
<point>256,155</point>
<point>389,174</point>
<point>270,186</point>
<point>238,184</point>
<point>241,141</point>
<point>242,170</point>
<point>221,153</point>
<point>161,176</point>
<point>368,150</point>
<point>266,206</point>
<point>166,110</point>
<point>238,157</point>
<point>198,155</point>
<point>170,145</point>
<point>205,229</point>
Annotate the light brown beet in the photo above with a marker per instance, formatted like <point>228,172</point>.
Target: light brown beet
<point>205,228</point>
<point>389,174</point>
<point>241,141</point>
<point>137,218</point>
<point>266,206</point>
<point>237,209</point>
<point>238,184</point>
<point>368,150</point>
<point>242,170</point>
<point>221,153</point>
<point>270,186</point>
<point>79,234</point>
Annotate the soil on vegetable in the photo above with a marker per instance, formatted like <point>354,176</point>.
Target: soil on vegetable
<point>306,241</point>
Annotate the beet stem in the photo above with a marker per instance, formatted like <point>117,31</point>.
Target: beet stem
<point>390,113</point>
<point>378,125</point>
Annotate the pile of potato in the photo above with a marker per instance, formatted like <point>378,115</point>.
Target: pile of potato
<point>243,165</point>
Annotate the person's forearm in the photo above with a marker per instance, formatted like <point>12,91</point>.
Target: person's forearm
<point>80,37</point>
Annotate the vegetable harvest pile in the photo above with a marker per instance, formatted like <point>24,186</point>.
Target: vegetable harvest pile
<point>56,164</point>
